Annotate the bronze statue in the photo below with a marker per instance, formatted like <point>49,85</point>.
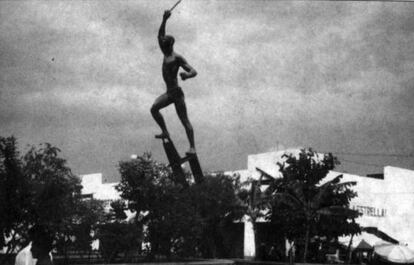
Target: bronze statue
<point>170,66</point>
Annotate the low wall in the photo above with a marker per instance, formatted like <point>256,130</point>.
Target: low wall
<point>200,262</point>
<point>253,262</point>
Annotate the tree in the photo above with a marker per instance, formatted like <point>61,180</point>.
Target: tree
<point>14,195</point>
<point>306,202</point>
<point>179,220</point>
<point>116,235</point>
<point>139,178</point>
<point>217,204</point>
<point>55,190</point>
<point>89,214</point>
<point>117,210</point>
<point>36,189</point>
<point>160,205</point>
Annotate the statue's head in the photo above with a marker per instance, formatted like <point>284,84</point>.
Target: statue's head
<point>167,44</point>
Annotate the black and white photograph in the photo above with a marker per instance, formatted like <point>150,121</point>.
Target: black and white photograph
<point>206,132</point>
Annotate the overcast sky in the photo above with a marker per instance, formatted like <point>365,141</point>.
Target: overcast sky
<point>335,76</point>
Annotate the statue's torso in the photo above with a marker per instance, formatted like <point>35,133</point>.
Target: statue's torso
<point>170,68</point>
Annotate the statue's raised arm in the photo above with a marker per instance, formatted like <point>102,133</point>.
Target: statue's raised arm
<point>162,38</point>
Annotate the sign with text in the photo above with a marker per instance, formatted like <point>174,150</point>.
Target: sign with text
<point>370,211</point>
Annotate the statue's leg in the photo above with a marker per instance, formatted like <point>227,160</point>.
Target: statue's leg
<point>161,102</point>
<point>181,109</point>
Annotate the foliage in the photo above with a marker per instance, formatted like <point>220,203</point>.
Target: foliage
<point>306,205</point>
<point>89,215</point>
<point>55,190</point>
<point>218,206</point>
<point>14,195</point>
<point>179,220</point>
<point>36,189</point>
<point>255,202</point>
<point>117,210</point>
<point>116,238</point>
<point>139,178</point>
<point>116,235</point>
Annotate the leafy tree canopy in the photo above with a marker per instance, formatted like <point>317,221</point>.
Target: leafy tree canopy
<point>180,220</point>
<point>35,189</point>
<point>305,204</point>
<point>14,193</point>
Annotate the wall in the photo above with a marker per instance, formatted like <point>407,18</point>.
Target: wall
<point>387,204</point>
<point>92,184</point>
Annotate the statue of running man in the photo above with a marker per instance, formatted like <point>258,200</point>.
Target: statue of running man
<point>170,66</point>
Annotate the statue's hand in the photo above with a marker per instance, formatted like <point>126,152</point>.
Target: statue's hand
<point>183,76</point>
<point>167,14</point>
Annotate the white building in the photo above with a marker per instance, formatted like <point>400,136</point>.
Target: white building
<point>386,202</point>
<point>92,185</point>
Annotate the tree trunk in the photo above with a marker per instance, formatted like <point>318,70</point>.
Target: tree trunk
<point>256,240</point>
<point>305,253</point>
<point>349,249</point>
<point>65,251</point>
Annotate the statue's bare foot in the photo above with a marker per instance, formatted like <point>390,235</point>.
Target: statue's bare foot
<point>191,151</point>
<point>163,135</point>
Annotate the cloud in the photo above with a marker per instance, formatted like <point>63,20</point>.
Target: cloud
<point>84,74</point>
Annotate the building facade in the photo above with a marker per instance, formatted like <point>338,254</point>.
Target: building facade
<point>386,201</point>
